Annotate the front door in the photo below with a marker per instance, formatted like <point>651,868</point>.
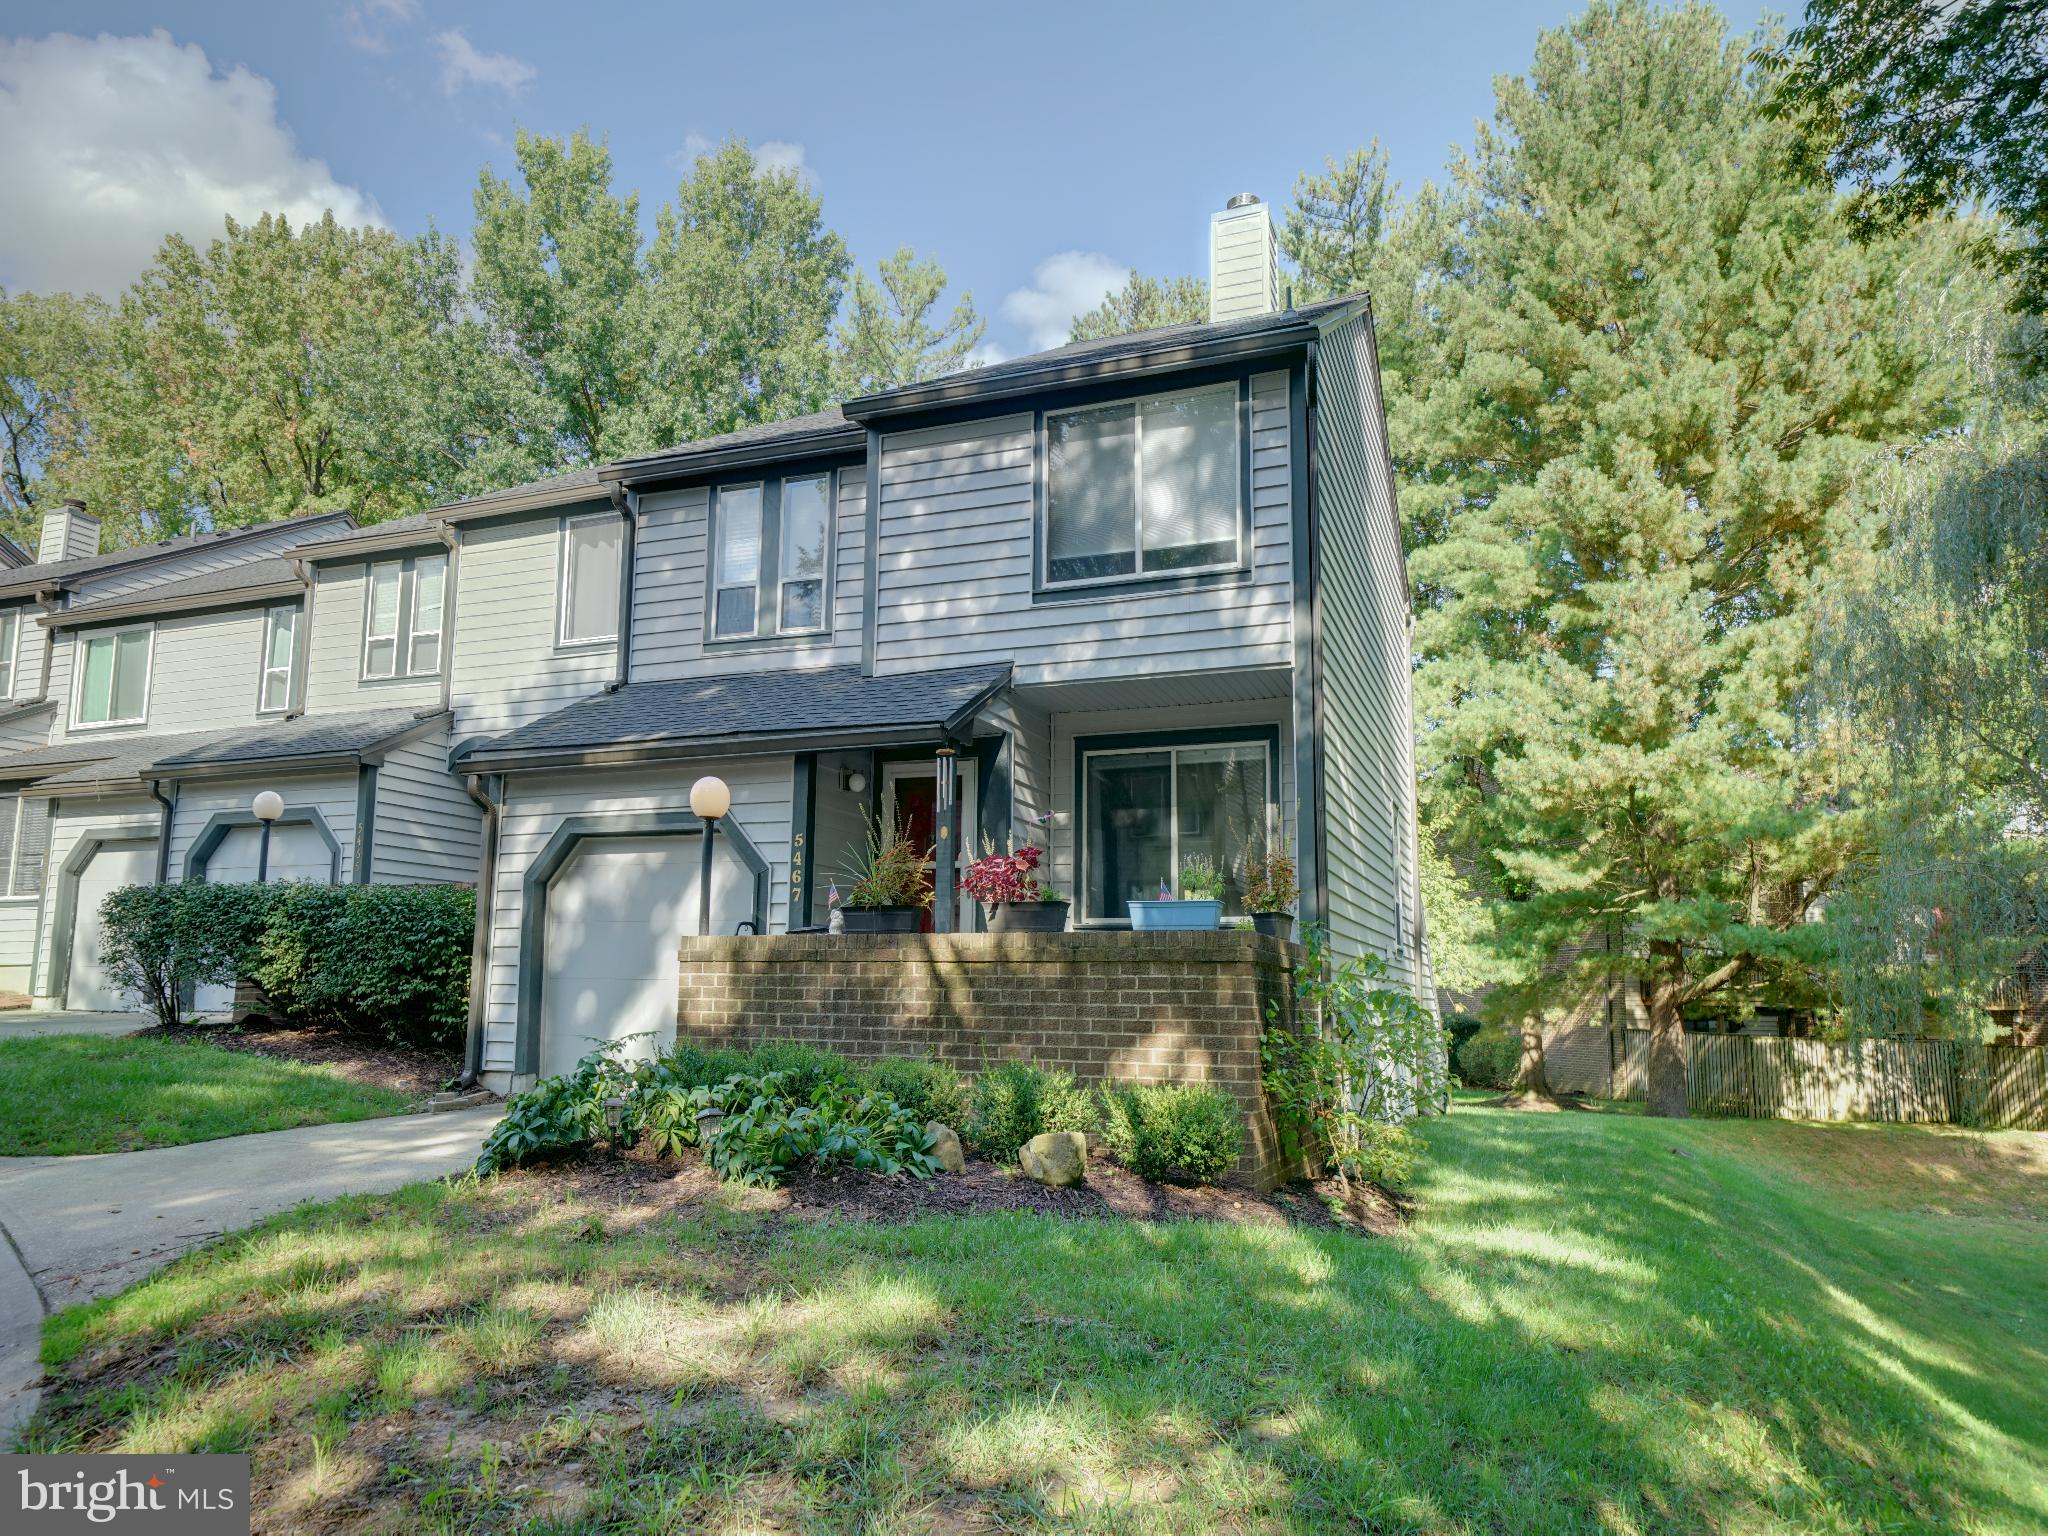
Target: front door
<point>910,796</point>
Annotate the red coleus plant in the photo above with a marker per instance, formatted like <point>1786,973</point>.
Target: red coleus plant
<point>998,877</point>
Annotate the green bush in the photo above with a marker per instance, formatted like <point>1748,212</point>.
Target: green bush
<point>1491,1058</point>
<point>391,960</point>
<point>931,1090</point>
<point>1178,1133</point>
<point>1016,1101</point>
<point>161,941</point>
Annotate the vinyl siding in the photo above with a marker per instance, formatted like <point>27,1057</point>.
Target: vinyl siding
<point>138,818</point>
<point>201,559</point>
<point>428,830</point>
<point>839,832</point>
<point>1368,719</point>
<point>28,731</point>
<point>28,677</point>
<point>669,591</point>
<point>954,566</point>
<point>18,915</point>
<point>333,794</point>
<point>508,668</point>
<point>203,673</point>
<point>534,810</point>
<point>1030,733</point>
<point>334,660</point>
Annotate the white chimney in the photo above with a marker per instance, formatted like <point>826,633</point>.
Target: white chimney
<point>69,533</point>
<point>1244,273</point>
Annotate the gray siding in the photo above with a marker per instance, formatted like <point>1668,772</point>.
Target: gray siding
<point>508,668</point>
<point>534,810</point>
<point>669,588</point>
<point>201,559</point>
<point>954,566</point>
<point>203,674</point>
<point>1030,733</point>
<point>332,792</point>
<point>839,832</point>
<point>334,660</point>
<point>428,831</point>
<point>1368,717</point>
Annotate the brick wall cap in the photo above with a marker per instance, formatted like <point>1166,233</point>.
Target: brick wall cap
<point>1113,946</point>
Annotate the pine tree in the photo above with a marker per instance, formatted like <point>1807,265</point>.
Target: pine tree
<point>888,337</point>
<point>1144,304</point>
<point>1662,360</point>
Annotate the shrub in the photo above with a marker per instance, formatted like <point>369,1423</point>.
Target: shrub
<point>805,1068</point>
<point>391,960</point>
<point>160,941</point>
<point>1174,1132</point>
<point>931,1090</point>
<point>1016,1101</point>
<point>556,1115</point>
<point>1491,1057</point>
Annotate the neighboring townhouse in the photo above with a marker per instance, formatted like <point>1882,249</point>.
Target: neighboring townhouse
<point>1135,599</point>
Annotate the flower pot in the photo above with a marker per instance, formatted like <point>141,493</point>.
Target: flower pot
<point>1175,916</point>
<point>883,919</point>
<point>1274,925</point>
<point>1028,917</point>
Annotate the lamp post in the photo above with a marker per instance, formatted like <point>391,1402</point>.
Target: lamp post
<point>268,806</point>
<point>710,799</point>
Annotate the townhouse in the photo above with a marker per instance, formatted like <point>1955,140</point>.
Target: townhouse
<point>1133,600</point>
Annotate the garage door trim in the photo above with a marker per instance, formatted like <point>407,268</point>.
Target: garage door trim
<point>221,823</point>
<point>533,917</point>
<point>66,915</point>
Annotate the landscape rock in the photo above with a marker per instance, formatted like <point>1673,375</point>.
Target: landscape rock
<point>946,1147</point>
<point>1057,1158</point>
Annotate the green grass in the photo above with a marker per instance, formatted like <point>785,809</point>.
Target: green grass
<point>65,1094</point>
<point>1596,1322</point>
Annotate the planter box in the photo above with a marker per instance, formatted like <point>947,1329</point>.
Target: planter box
<point>1028,917</point>
<point>883,919</point>
<point>1175,916</point>
<point>1274,925</point>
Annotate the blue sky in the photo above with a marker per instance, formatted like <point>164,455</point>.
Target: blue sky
<point>1037,151</point>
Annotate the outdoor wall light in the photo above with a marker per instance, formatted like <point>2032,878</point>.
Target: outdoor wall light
<point>267,806</point>
<point>857,782</point>
<point>710,799</point>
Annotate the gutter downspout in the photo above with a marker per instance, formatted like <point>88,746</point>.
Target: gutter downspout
<point>479,787</point>
<point>623,502</point>
<point>450,610</point>
<point>302,643</point>
<point>163,838</point>
<point>1321,852</point>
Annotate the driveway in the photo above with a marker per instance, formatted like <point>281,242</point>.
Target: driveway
<point>76,1228</point>
<point>28,1022</point>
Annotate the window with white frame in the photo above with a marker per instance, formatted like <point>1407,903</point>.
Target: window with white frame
<point>403,618</point>
<point>591,550</point>
<point>24,844</point>
<point>113,677</point>
<point>772,550</point>
<point>1147,808</point>
<point>1138,488</point>
<point>10,646</point>
<point>280,636</point>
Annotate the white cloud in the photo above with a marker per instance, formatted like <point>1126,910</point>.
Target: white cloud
<point>986,354</point>
<point>769,155</point>
<point>1062,287</point>
<point>463,64</point>
<point>363,23</point>
<point>114,142</point>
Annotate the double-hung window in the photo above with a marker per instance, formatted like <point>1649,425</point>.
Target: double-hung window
<point>1140,488</point>
<point>10,647</point>
<point>1146,809</point>
<point>404,618</point>
<point>591,549</point>
<point>280,636</point>
<point>113,677</point>
<point>24,844</point>
<point>771,550</point>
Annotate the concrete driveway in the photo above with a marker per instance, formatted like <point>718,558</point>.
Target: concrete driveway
<point>27,1022</point>
<point>76,1228</point>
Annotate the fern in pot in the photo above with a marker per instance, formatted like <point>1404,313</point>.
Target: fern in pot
<point>891,887</point>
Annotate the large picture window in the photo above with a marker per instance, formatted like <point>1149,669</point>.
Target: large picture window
<point>591,550</point>
<point>403,618</point>
<point>1145,809</point>
<point>113,677</point>
<point>771,552</point>
<point>1143,488</point>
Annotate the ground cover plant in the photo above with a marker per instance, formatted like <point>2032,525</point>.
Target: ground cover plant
<point>67,1094</point>
<point>1592,1322</point>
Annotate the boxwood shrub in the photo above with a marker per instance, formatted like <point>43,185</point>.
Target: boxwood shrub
<point>1018,1100</point>
<point>1179,1133</point>
<point>1491,1058</point>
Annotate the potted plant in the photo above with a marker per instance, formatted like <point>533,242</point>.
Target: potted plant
<point>1199,907</point>
<point>890,888</point>
<point>1007,884</point>
<point>1270,891</point>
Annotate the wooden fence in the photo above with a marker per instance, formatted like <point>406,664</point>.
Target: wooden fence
<point>1936,1082</point>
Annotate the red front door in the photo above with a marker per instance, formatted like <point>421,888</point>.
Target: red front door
<point>917,806</point>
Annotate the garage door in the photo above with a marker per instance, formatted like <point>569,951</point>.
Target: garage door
<point>112,866</point>
<point>616,911</point>
<point>297,852</point>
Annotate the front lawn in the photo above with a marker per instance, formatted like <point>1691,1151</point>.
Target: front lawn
<point>64,1094</point>
<point>1594,1322</point>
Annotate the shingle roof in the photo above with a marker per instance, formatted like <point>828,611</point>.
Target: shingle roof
<point>421,524</point>
<point>830,422</point>
<point>60,572</point>
<point>252,575</point>
<point>755,704</point>
<point>551,490</point>
<point>120,762</point>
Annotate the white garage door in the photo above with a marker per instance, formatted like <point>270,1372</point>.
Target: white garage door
<point>616,911</point>
<point>112,866</point>
<point>297,852</point>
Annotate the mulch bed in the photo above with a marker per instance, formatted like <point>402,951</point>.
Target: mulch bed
<point>362,1060</point>
<point>1540,1103</point>
<point>633,1179</point>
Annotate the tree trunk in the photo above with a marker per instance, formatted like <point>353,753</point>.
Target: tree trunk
<point>1664,990</point>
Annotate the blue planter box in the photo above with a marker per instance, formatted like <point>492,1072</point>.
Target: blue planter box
<point>1175,916</point>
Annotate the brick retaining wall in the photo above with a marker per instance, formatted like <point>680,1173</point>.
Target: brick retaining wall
<point>1136,1007</point>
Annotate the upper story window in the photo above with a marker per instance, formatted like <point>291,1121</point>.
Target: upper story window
<point>771,552</point>
<point>113,677</point>
<point>10,647</point>
<point>1139,488</point>
<point>280,638</point>
<point>403,620</point>
<point>591,549</point>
